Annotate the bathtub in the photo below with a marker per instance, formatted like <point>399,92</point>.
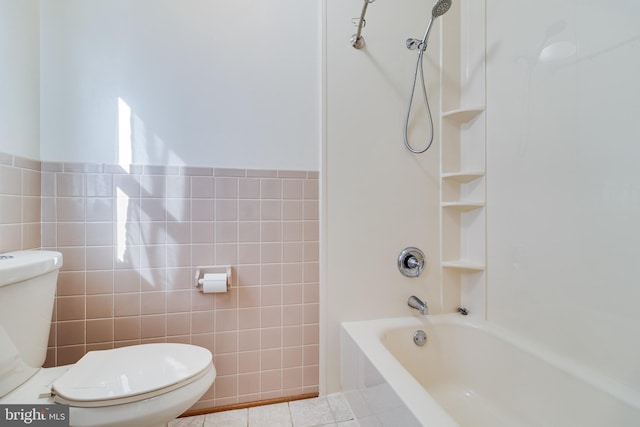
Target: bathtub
<point>470,374</point>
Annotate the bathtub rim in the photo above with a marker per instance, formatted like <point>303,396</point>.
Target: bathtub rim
<point>369,340</point>
<point>368,336</point>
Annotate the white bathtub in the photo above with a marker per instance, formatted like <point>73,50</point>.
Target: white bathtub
<point>471,374</point>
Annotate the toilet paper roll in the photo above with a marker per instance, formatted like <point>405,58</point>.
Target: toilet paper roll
<point>214,283</point>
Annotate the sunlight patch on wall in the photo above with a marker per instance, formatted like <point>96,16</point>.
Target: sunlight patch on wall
<point>122,209</point>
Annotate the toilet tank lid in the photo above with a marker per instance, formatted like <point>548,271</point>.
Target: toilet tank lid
<point>130,371</point>
<point>23,265</point>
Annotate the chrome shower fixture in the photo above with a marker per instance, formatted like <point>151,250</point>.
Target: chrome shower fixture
<point>411,262</point>
<point>440,8</point>
<point>357,41</point>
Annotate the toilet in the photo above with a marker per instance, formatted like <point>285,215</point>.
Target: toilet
<point>144,385</point>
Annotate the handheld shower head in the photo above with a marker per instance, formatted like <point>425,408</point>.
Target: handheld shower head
<point>440,8</point>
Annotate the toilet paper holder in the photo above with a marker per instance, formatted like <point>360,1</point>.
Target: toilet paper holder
<point>212,269</point>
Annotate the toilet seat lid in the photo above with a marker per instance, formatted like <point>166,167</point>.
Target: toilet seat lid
<point>126,372</point>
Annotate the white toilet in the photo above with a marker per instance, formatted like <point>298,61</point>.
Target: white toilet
<point>138,386</point>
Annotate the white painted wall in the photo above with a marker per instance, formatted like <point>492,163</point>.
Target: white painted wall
<point>195,82</point>
<point>378,198</point>
<point>19,78</point>
<point>563,183</point>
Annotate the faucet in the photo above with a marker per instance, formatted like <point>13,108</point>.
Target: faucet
<point>418,304</point>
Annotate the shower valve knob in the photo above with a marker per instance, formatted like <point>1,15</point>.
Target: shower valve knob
<point>411,262</point>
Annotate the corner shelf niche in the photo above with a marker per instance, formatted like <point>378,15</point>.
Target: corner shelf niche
<point>462,206</point>
<point>462,177</point>
<point>462,161</point>
<point>463,266</point>
<point>461,116</point>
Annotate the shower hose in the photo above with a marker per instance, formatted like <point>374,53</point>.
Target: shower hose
<point>421,50</point>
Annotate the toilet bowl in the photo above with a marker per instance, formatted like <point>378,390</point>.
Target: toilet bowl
<point>137,386</point>
<point>143,386</point>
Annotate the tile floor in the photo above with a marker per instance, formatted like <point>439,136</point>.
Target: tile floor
<point>327,411</point>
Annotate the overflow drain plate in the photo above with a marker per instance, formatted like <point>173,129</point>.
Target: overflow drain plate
<point>420,337</point>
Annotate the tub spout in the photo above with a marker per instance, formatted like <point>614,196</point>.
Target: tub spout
<point>418,304</point>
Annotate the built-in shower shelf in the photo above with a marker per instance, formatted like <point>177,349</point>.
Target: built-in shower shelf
<point>463,177</point>
<point>463,265</point>
<point>463,115</point>
<point>463,162</point>
<point>462,206</point>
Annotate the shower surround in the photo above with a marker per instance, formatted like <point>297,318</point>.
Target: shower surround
<point>131,240</point>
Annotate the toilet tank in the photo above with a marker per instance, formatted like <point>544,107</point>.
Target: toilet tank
<point>27,290</point>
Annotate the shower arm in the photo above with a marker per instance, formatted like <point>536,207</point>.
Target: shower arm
<point>357,41</point>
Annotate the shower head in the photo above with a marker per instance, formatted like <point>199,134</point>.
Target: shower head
<point>440,8</point>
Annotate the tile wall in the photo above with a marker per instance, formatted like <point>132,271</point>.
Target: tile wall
<point>131,241</point>
<point>19,203</point>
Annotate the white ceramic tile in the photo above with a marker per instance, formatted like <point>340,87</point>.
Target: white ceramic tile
<point>234,418</point>
<point>332,411</point>
<point>270,416</point>
<point>339,407</point>
<point>197,421</point>
<point>358,404</point>
<point>311,412</point>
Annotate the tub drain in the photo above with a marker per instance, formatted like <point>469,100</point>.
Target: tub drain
<point>420,337</point>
